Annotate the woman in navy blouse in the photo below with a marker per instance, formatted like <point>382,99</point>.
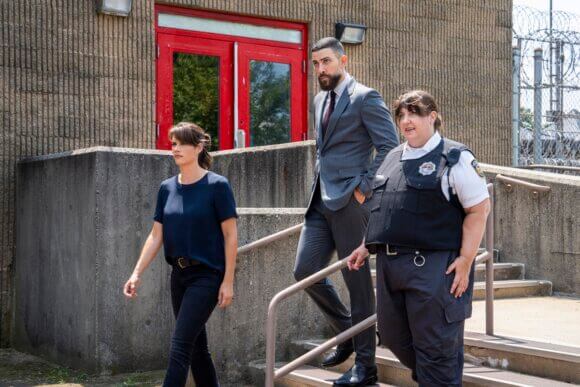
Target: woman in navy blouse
<point>195,220</point>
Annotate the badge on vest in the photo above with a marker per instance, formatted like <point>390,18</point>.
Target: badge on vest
<point>477,168</point>
<point>427,168</point>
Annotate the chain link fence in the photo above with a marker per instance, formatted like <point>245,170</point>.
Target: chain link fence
<point>546,88</point>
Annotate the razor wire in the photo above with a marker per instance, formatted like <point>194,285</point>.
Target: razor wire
<point>546,126</point>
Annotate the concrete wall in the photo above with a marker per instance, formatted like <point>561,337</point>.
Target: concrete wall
<point>82,219</point>
<point>269,176</point>
<point>71,78</point>
<point>544,231</point>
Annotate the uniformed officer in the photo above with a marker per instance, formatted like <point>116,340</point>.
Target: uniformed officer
<point>428,213</point>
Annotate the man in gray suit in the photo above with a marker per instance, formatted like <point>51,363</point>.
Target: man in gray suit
<point>350,120</point>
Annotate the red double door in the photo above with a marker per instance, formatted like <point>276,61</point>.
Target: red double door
<point>244,92</point>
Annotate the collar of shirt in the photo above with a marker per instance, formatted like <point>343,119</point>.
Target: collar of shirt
<point>339,89</point>
<point>410,153</point>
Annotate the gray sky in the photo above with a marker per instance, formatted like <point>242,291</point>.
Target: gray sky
<point>559,5</point>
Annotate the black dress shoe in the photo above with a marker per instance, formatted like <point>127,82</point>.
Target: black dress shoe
<point>337,356</point>
<point>358,375</point>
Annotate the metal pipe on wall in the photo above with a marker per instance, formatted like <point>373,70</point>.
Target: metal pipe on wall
<point>538,106</point>
<point>517,61</point>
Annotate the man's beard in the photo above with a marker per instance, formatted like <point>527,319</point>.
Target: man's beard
<point>331,83</point>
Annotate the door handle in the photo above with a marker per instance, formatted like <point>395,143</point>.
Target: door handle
<point>240,138</point>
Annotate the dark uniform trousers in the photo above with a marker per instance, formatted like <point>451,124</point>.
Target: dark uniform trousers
<point>419,320</point>
<point>324,232</point>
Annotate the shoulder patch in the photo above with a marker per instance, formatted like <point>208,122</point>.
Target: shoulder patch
<point>477,168</point>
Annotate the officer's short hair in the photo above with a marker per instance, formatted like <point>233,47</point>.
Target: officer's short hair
<point>418,102</point>
<point>329,42</point>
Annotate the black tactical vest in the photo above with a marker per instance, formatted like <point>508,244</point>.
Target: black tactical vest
<point>409,209</point>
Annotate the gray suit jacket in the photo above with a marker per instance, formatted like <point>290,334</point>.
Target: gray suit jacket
<point>360,122</point>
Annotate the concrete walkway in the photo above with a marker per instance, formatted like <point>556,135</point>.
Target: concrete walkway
<point>547,319</point>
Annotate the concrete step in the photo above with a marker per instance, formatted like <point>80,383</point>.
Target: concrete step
<point>514,289</point>
<point>552,361</point>
<point>391,371</point>
<point>309,376</point>
<point>501,272</point>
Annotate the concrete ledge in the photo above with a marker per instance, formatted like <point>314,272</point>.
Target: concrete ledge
<point>81,222</point>
<point>540,231</point>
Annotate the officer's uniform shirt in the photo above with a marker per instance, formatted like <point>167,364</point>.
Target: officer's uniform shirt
<point>465,181</point>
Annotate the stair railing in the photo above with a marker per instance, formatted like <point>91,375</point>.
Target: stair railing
<point>511,181</point>
<point>272,374</point>
<point>487,257</point>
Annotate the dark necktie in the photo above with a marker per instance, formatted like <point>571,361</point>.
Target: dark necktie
<point>328,113</point>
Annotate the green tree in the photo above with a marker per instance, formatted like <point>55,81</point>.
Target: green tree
<point>269,103</point>
<point>195,92</point>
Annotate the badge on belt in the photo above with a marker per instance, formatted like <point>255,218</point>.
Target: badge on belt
<point>427,168</point>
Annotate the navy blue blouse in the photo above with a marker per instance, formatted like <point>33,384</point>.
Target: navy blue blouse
<point>191,215</point>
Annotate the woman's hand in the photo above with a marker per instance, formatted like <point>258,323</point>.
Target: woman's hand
<point>462,267</point>
<point>357,258</point>
<point>130,288</point>
<point>226,294</point>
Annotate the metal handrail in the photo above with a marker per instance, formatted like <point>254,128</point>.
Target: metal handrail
<point>271,238</point>
<point>555,167</point>
<point>508,181</point>
<point>273,374</point>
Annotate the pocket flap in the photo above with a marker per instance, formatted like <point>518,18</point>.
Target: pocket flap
<point>456,311</point>
<point>378,181</point>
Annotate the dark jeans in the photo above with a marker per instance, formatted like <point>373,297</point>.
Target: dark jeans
<point>194,293</point>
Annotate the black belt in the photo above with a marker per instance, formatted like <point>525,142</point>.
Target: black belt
<point>395,250</point>
<point>391,250</point>
<point>183,262</point>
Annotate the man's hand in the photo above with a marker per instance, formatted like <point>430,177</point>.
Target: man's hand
<point>461,266</point>
<point>357,258</point>
<point>359,196</point>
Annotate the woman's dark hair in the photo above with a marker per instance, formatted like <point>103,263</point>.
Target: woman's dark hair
<point>192,134</point>
<point>418,102</point>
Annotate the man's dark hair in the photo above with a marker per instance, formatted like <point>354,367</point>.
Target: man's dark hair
<point>331,43</point>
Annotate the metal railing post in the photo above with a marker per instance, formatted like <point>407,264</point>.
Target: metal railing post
<point>517,62</point>
<point>538,105</point>
<point>489,246</point>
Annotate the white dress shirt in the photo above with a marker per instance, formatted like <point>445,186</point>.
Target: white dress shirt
<point>470,188</point>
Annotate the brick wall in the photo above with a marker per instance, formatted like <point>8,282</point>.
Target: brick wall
<point>71,78</point>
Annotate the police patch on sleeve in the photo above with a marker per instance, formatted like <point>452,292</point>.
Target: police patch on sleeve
<point>427,168</point>
<point>477,168</point>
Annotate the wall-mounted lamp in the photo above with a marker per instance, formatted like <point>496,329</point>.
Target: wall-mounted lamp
<point>350,33</point>
<point>114,7</point>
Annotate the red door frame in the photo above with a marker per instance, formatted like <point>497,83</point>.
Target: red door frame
<point>165,75</point>
<point>248,52</point>
<point>168,44</point>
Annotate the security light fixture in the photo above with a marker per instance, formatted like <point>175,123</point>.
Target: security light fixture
<point>114,7</point>
<point>350,33</point>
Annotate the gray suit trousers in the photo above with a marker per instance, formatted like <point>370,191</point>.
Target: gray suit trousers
<point>324,232</point>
